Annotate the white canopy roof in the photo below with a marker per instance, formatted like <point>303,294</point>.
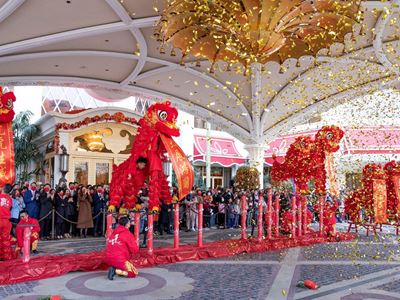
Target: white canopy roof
<point>107,46</point>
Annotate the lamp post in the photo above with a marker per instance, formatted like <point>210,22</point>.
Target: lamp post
<point>64,165</point>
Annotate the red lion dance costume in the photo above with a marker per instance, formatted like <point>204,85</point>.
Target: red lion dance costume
<point>7,173</point>
<point>152,142</point>
<point>306,159</point>
<point>363,198</point>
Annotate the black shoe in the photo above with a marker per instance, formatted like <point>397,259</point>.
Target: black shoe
<point>111,273</point>
<point>35,252</point>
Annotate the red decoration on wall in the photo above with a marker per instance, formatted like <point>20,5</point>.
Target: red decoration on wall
<point>7,167</point>
<point>118,117</point>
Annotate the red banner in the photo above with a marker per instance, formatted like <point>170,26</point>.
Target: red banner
<point>380,201</point>
<point>396,182</point>
<point>181,165</point>
<point>7,169</point>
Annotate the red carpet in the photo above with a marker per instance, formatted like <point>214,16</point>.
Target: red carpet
<point>42,267</point>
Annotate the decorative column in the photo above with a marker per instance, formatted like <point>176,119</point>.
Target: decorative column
<point>260,218</point>
<point>176,225</point>
<point>137,227</point>
<point>200,226</point>
<point>109,225</point>
<point>269,215</point>
<point>150,222</point>
<point>305,216</point>
<point>244,216</point>
<point>256,159</point>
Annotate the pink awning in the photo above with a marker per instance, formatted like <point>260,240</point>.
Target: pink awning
<point>372,140</point>
<point>223,151</point>
<point>279,146</point>
<point>367,140</point>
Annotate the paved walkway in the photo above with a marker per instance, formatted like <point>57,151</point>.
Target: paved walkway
<point>367,268</point>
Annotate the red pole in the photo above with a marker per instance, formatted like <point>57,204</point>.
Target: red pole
<point>176,225</point>
<point>200,226</point>
<point>300,217</point>
<point>244,215</point>
<point>321,215</point>
<point>150,231</point>
<point>26,251</point>
<point>305,217</point>
<point>109,225</point>
<point>269,214</point>
<point>137,227</point>
<point>260,218</point>
<point>277,209</point>
<point>294,208</point>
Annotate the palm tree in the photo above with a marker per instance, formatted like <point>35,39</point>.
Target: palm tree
<point>25,150</point>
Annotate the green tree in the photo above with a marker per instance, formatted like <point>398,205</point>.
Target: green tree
<point>25,150</point>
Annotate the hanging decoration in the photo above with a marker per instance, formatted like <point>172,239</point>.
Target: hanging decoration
<point>255,31</point>
<point>306,159</point>
<point>247,178</point>
<point>392,170</point>
<point>7,163</point>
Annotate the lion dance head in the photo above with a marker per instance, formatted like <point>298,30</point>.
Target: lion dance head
<point>6,106</point>
<point>162,116</point>
<point>329,138</point>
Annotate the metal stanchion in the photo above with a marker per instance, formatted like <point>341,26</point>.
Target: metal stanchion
<point>277,209</point>
<point>321,215</point>
<point>53,228</point>
<point>244,215</point>
<point>200,226</point>
<point>269,215</point>
<point>294,216</point>
<point>137,227</point>
<point>150,233</point>
<point>104,222</point>
<point>176,225</point>
<point>260,218</point>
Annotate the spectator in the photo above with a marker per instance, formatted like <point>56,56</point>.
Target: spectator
<point>46,205</point>
<point>99,204</point>
<point>84,207</point>
<point>61,213</point>
<point>31,199</point>
<point>17,206</point>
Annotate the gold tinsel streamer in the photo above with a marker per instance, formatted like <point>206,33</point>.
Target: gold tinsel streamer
<point>256,31</point>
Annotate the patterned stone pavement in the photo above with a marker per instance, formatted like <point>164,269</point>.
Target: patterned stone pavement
<point>367,268</point>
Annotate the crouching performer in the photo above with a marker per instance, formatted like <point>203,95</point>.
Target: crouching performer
<point>121,245</point>
<point>26,221</point>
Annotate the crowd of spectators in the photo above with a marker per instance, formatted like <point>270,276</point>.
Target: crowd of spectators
<point>75,210</point>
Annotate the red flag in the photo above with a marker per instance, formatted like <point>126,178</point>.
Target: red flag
<point>181,165</point>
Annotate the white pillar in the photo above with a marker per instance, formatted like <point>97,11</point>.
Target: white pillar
<point>208,156</point>
<point>256,159</point>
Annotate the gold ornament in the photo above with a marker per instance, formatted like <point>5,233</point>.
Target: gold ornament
<point>256,31</point>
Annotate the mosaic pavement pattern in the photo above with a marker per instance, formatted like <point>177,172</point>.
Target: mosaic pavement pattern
<point>365,269</point>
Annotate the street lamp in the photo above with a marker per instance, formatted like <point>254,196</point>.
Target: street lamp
<point>166,166</point>
<point>64,165</point>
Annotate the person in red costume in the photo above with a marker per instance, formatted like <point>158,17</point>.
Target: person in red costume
<point>26,221</point>
<point>120,247</point>
<point>5,224</point>
<point>287,221</point>
<point>329,217</point>
<point>134,183</point>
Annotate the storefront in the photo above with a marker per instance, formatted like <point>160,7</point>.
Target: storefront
<point>94,139</point>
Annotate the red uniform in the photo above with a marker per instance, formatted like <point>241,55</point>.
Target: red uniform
<point>287,221</point>
<point>120,247</point>
<point>6,252</point>
<point>35,230</point>
<point>329,218</point>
